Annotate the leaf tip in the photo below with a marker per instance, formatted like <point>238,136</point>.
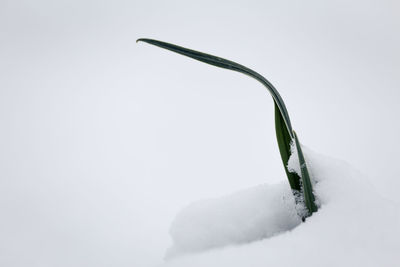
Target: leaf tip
<point>144,40</point>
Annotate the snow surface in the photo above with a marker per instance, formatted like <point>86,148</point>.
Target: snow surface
<point>353,227</point>
<point>245,216</point>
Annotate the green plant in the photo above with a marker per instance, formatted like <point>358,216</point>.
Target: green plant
<point>284,132</point>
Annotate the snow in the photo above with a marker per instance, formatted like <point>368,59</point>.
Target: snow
<point>103,141</point>
<point>354,226</point>
<point>245,216</point>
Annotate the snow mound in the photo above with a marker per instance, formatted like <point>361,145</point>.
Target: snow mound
<point>245,216</point>
<point>353,227</point>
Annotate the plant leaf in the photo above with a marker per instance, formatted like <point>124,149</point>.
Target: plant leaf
<point>283,127</point>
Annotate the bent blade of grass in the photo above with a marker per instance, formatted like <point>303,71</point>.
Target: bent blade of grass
<point>283,127</point>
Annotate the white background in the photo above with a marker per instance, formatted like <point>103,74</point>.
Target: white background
<point>103,140</point>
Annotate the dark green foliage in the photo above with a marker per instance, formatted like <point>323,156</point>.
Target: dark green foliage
<point>283,127</point>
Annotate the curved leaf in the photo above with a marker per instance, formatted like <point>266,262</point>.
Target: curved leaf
<point>283,127</point>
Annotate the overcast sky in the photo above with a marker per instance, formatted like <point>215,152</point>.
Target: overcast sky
<point>103,140</point>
